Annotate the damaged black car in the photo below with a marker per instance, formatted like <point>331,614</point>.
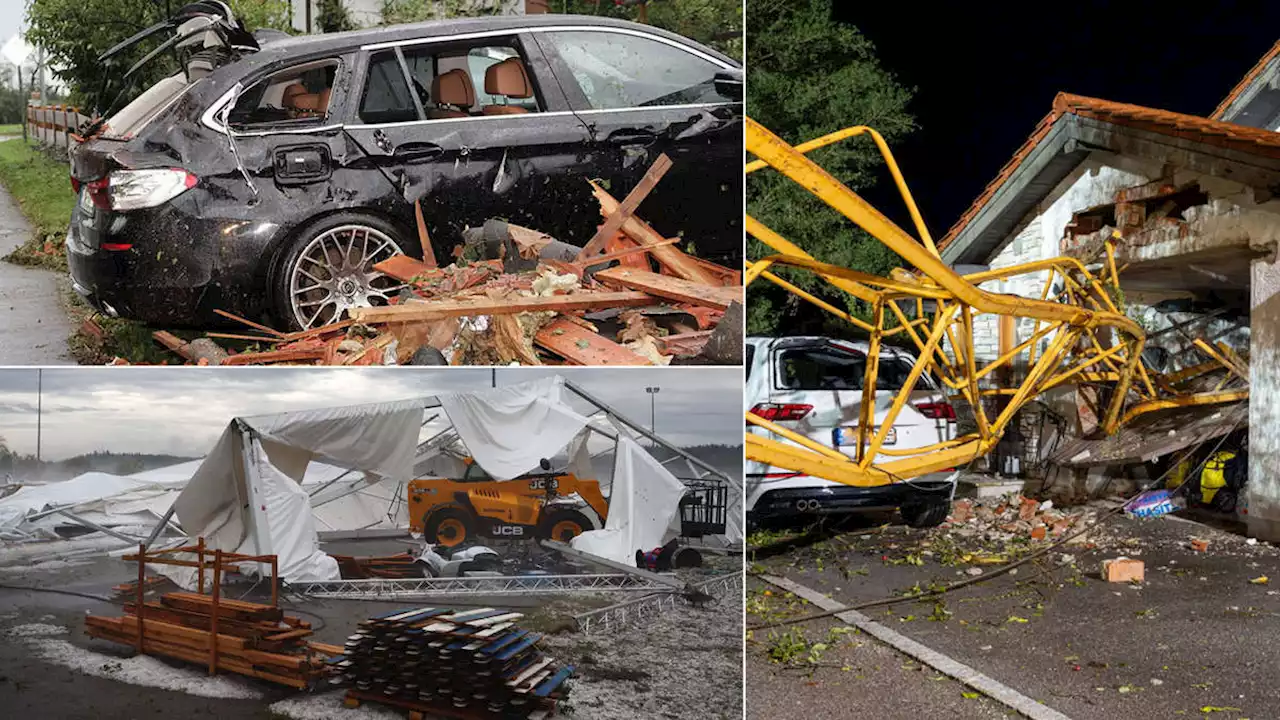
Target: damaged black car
<point>270,174</point>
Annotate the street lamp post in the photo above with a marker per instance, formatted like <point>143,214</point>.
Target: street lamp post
<point>653,408</point>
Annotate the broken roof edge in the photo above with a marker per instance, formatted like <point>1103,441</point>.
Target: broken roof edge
<point>992,203</point>
<point>1247,82</point>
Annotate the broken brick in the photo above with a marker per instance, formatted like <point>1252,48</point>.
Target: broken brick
<point>961,511</point>
<point>1123,570</point>
<point>1027,508</point>
<point>1199,545</point>
<point>1039,532</point>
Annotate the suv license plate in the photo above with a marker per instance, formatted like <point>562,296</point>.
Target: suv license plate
<point>86,204</point>
<point>846,436</point>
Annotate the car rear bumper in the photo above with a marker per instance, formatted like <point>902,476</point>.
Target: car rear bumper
<point>828,499</point>
<point>177,268</point>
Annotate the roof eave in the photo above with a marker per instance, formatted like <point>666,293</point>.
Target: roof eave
<point>1053,158</point>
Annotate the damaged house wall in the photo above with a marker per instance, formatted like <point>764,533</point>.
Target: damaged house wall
<point>1052,229</point>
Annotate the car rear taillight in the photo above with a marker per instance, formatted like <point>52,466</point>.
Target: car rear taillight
<point>937,410</point>
<point>138,189</point>
<point>777,412</point>
<point>75,185</point>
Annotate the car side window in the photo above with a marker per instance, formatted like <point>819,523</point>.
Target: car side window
<point>386,96</point>
<point>751,356</point>
<point>296,96</point>
<point>616,70</point>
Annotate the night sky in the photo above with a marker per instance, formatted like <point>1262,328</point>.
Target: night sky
<point>984,76</point>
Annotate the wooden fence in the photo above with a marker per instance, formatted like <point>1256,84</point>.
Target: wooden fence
<point>52,125</point>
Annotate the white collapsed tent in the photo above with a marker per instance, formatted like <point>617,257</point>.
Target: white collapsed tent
<point>246,495</point>
<point>272,483</point>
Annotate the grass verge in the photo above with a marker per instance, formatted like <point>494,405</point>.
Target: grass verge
<point>40,186</point>
<point>10,129</point>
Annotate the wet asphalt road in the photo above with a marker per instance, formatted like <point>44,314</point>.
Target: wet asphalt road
<point>1196,635</point>
<point>33,325</point>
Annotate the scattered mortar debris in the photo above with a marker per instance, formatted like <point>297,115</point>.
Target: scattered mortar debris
<point>514,295</point>
<point>437,661</point>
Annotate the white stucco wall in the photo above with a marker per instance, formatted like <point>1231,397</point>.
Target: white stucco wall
<point>1090,185</point>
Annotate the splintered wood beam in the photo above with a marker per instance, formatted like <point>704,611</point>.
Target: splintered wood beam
<point>428,252</point>
<point>615,219</point>
<point>403,267</point>
<point>690,343</point>
<point>580,346</point>
<point>423,311</point>
<point>640,231</point>
<point>665,286</point>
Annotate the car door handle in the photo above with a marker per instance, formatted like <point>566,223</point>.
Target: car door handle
<point>632,136</point>
<point>417,150</point>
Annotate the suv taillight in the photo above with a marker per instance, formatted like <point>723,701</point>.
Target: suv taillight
<point>776,412</point>
<point>99,193</point>
<point>138,189</point>
<point>937,410</point>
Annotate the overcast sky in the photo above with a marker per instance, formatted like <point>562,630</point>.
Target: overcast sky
<point>11,14</point>
<point>181,411</point>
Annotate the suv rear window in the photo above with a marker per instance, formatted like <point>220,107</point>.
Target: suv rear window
<point>833,368</point>
<point>296,96</point>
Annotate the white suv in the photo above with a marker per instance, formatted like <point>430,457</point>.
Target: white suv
<point>813,385</point>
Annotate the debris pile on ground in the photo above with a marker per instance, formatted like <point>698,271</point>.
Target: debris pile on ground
<point>1005,518</point>
<point>517,296</point>
<point>437,661</point>
<point>252,639</point>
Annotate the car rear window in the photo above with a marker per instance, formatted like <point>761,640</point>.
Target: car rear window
<point>832,368</point>
<point>296,96</point>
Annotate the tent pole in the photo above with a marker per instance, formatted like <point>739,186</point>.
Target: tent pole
<point>155,533</point>
<point>646,433</point>
<point>95,526</point>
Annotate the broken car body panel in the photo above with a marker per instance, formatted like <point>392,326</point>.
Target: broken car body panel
<point>263,175</point>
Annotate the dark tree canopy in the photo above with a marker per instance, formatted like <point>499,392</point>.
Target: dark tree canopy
<point>808,76</point>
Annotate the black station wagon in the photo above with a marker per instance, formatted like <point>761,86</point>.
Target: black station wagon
<point>271,173</point>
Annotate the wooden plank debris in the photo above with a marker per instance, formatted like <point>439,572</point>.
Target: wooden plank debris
<point>580,346</point>
<point>493,311</point>
<point>423,311</point>
<point>640,231</point>
<point>614,220</point>
<point>672,288</point>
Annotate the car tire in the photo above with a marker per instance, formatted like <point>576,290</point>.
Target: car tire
<point>321,239</point>
<point>925,513</point>
<point>449,526</point>
<point>562,525</point>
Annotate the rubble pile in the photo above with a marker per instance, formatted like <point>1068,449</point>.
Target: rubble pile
<point>513,295</point>
<point>1013,517</point>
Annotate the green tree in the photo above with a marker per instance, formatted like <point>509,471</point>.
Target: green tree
<point>810,76</point>
<point>716,23</point>
<point>73,33</point>
<point>332,16</point>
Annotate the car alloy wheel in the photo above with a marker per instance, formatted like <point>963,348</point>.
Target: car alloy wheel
<point>334,273</point>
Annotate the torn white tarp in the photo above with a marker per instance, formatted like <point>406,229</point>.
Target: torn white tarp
<point>644,508</point>
<point>509,429</point>
<point>238,500</point>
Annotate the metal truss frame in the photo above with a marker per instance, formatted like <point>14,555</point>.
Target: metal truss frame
<point>380,589</point>
<point>633,612</point>
<point>1078,333</point>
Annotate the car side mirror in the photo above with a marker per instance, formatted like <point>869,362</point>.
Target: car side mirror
<point>729,84</point>
<point>545,464</point>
